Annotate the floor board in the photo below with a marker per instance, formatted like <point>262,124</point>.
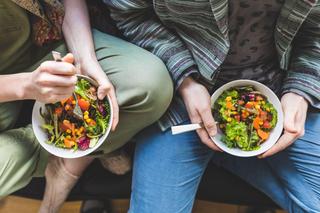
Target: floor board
<point>14,204</point>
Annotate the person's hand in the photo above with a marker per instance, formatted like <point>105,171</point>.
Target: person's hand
<point>197,101</point>
<point>295,110</point>
<point>92,68</point>
<point>51,81</point>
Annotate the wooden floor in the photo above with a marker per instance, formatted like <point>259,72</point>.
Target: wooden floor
<point>21,205</point>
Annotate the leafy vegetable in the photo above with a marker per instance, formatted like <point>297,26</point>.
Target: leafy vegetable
<point>245,116</point>
<point>64,130</point>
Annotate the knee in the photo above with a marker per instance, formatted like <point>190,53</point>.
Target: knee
<point>157,85</point>
<point>146,87</point>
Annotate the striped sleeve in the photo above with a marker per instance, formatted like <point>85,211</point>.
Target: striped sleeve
<point>140,25</point>
<point>304,69</point>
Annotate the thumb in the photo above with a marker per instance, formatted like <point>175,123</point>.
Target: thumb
<point>289,120</point>
<point>69,58</point>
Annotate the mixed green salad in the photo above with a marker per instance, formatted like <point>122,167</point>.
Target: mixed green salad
<point>65,130</point>
<point>245,117</point>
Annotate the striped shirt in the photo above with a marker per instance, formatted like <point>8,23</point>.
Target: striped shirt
<point>192,38</point>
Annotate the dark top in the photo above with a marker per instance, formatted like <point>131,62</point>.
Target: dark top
<point>252,53</point>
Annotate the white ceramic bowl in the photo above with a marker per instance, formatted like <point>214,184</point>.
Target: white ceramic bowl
<point>275,133</point>
<point>41,135</point>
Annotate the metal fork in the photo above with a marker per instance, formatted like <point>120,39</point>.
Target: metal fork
<point>77,112</point>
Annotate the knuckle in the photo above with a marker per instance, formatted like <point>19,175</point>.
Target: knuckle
<point>73,80</point>
<point>44,66</point>
<point>210,125</point>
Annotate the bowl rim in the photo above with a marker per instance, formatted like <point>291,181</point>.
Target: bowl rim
<point>279,125</point>
<point>73,154</point>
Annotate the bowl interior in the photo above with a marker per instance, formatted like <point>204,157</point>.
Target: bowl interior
<point>38,121</point>
<point>275,133</point>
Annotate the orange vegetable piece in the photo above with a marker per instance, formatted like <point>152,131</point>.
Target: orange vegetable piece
<point>262,134</point>
<point>92,123</point>
<point>256,123</point>
<point>84,105</point>
<point>229,105</point>
<point>68,143</point>
<point>249,105</point>
<point>65,125</point>
<point>73,130</point>
<point>58,111</point>
<point>240,102</point>
<point>69,100</point>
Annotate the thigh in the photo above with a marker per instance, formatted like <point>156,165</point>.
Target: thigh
<point>298,167</point>
<point>257,173</point>
<point>142,83</point>
<point>292,177</point>
<point>9,113</point>
<point>131,69</point>
<point>167,171</point>
<point>21,158</point>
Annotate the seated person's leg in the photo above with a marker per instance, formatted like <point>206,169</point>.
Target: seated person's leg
<point>142,83</point>
<point>21,155</point>
<point>298,168</point>
<point>167,171</point>
<point>292,177</point>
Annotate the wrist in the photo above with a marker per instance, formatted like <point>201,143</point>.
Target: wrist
<point>187,83</point>
<point>25,87</point>
<point>85,58</point>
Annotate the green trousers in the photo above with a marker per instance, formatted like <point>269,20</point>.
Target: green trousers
<point>143,89</point>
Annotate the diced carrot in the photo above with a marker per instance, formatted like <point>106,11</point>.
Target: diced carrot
<point>66,125</point>
<point>70,99</point>
<point>256,123</point>
<point>92,123</point>
<point>249,105</point>
<point>84,105</point>
<point>262,134</point>
<point>68,143</point>
<point>240,102</point>
<point>73,130</point>
<point>229,105</point>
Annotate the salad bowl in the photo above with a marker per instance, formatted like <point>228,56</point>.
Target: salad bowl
<point>38,123</point>
<point>273,135</point>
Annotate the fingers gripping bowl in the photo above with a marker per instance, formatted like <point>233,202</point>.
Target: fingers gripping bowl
<point>65,135</point>
<point>250,118</point>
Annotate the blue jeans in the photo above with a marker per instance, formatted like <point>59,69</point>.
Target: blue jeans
<point>168,169</point>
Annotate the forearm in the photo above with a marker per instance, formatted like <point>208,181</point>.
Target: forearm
<point>14,87</point>
<point>77,30</point>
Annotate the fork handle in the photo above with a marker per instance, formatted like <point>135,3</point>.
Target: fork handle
<point>185,128</point>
